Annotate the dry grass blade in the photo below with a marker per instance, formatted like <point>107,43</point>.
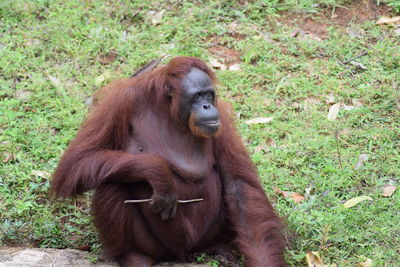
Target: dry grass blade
<point>354,201</point>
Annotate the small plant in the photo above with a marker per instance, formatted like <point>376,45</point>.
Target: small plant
<point>213,263</point>
<point>395,4</point>
<point>201,258</point>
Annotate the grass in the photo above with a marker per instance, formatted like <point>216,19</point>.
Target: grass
<point>49,68</point>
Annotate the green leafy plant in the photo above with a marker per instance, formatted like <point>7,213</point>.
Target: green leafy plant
<point>395,4</point>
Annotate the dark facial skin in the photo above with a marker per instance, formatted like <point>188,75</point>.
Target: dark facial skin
<point>198,102</point>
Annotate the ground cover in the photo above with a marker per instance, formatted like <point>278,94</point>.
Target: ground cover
<point>289,62</point>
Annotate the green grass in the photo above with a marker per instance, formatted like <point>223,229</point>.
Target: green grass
<point>49,68</point>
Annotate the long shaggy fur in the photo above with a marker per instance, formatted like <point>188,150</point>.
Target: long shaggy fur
<point>141,114</point>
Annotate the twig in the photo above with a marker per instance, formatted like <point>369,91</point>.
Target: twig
<point>354,58</point>
<point>137,200</point>
<point>149,200</point>
<point>190,200</point>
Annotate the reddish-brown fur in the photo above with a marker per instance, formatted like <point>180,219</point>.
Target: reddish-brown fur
<point>133,144</point>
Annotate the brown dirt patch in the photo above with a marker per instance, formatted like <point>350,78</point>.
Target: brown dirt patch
<point>357,12</point>
<point>225,55</point>
<point>317,28</point>
<point>107,58</point>
<point>309,26</point>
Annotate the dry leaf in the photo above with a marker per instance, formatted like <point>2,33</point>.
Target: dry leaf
<point>156,17</point>
<point>100,79</point>
<point>367,263</point>
<point>314,259</point>
<point>354,201</point>
<point>234,67</point>
<point>297,197</point>
<point>23,95</point>
<point>42,174</point>
<point>361,159</point>
<point>217,65</point>
<point>388,190</point>
<point>259,120</point>
<point>89,100</point>
<point>330,99</point>
<point>334,111</point>
<point>387,20</point>
<point>107,58</point>
<point>356,103</point>
<point>8,157</point>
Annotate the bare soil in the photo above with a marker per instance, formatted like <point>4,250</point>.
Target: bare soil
<point>314,25</point>
<point>225,55</point>
<point>357,12</point>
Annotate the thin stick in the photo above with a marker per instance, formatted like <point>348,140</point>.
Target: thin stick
<point>149,200</point>
<point>137,200</point>
<point>354,58</point>
<point>190,200</point>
